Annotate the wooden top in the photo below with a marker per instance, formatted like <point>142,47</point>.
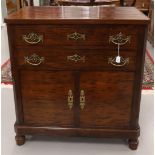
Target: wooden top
<point>77,15</point>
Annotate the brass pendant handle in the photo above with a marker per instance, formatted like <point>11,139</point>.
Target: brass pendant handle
<point>123,61</point>
<point>33,38</point>
<point>76,36</point>
<point>82,99</point>
<point>119,39</point>
<point>76,58</point>
<point>34,59</point>
<point>70,99</point>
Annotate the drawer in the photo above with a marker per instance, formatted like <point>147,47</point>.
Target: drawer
<point>78,36</point>
<point>75,59</point>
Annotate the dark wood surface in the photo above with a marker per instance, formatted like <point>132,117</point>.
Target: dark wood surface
<point>50,107</point>
<point>95,35</point>
<point>102,91</point>
<point>93,59</point>
<point>83,132</point>
<point>112,94</point>
<point>76,15</point>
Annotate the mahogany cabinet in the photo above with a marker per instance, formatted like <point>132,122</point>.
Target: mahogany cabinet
<point>77,71</point>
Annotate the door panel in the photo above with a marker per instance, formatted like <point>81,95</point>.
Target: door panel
<point>108,99</point>
<point>45,97</point>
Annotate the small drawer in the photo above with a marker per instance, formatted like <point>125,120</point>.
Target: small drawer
<point>75,59</point>
<point>107,36</point>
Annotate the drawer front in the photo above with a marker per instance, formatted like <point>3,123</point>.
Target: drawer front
<point>77,36</point>
<point>106,99</point>
<point>47,97</point>
<point>75,59</point>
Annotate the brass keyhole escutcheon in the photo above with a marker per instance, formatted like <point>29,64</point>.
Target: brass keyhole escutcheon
<point>82,99</point>
<point>70,99</point>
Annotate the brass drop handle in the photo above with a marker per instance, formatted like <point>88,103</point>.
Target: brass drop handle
<point>33,38</point>
<point>76,36</point>
<point>76,58</point>
<point>82,99</point>
<point>70,99</point>
<point>119,39</point>
<point>123,61</point>
<point>34,60</point>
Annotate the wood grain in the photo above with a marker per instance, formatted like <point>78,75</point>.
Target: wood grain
<point>83,132</point>
<point>108,99</point>
<point>83,15</point>
<point>95,35</point>
<point>45,97</point>
<point>90,59</point>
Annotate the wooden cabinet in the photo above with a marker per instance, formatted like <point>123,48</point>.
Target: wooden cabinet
<point>77,74</point>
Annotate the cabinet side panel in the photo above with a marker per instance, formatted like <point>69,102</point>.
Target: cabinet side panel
<point>15,75</point>
<point>142,36</point>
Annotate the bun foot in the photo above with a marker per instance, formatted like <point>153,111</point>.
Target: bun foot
<point>133,144</point>
<point>20,140</point>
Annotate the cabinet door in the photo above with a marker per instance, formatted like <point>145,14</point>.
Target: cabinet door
<point>45,97</point>
<point>108,99</point>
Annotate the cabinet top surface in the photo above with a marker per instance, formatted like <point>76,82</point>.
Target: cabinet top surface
<point>77,15</point>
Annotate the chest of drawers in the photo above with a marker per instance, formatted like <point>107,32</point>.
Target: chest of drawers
<point>77,71</point>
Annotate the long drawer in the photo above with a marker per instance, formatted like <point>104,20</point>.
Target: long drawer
<point>75,59</point>
<point>107,36</point>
